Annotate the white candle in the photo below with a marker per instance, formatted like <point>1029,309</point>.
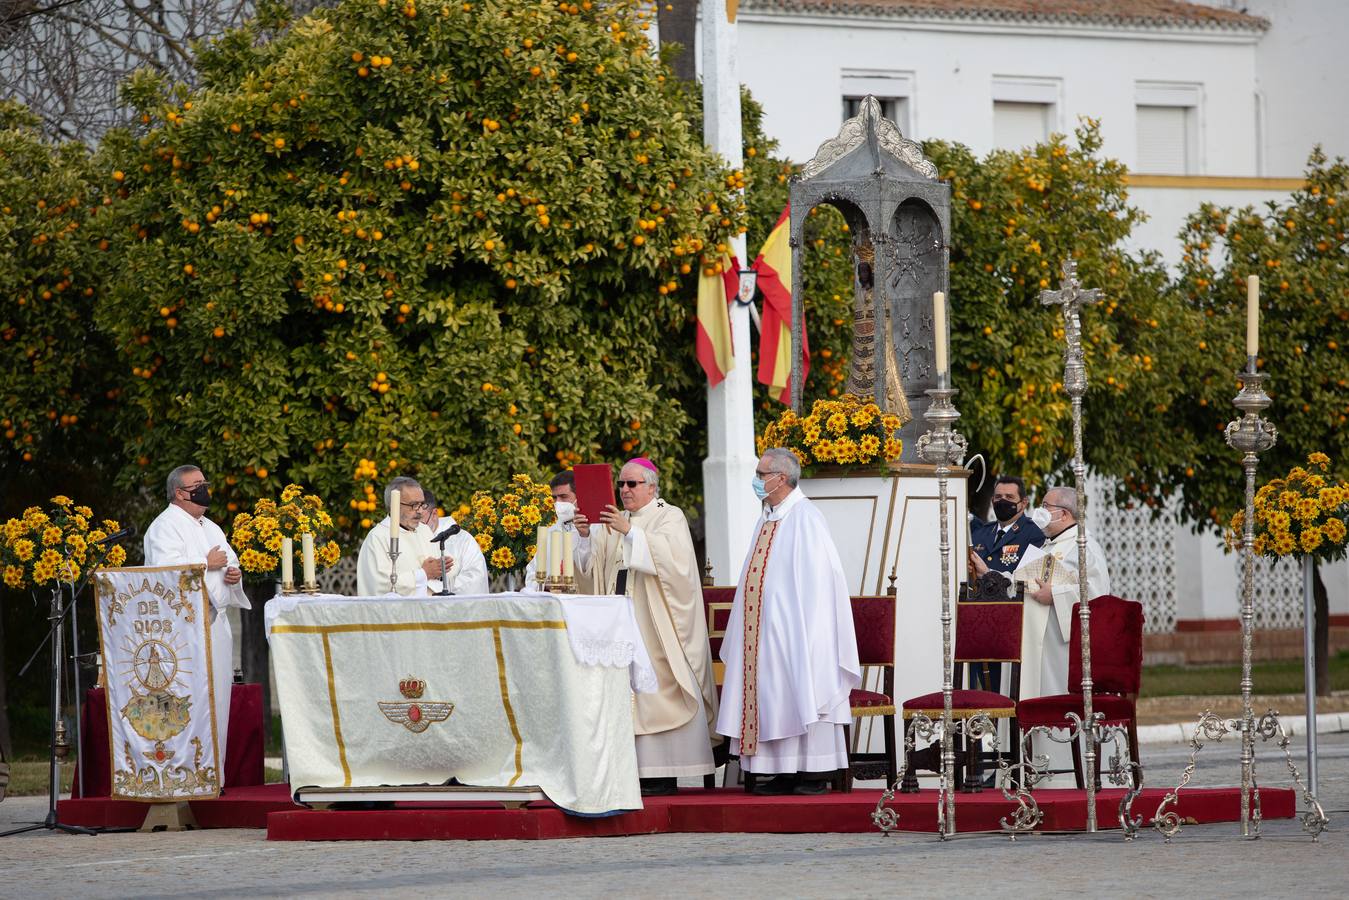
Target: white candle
<point>287,561</point>
<point>939,329</point>
<point>1252,315</point>
<point>307,553</point>
<point>395,513</point>
<point>541,553</point>
<point>555,554</point>
<point>567,568</point>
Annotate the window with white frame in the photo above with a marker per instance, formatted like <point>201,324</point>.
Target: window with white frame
<point>1025,110</point>
<point>1166,125</point>
<point>893,90</point>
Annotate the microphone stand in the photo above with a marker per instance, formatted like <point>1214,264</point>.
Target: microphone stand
<point>56,617</point>
<point>444,572</point>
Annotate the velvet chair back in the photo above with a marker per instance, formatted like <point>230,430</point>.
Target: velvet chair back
<point>1116,647</point>
<point>717,603</point>
<point>873,619</point>
<point>988,631</point>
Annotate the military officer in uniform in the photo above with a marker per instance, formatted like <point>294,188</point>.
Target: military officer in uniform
<point>999,545</point>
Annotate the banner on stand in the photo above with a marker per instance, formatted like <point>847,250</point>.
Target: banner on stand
<point>154,628</point>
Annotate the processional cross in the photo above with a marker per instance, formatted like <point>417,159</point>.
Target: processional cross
<point>1072,298</point>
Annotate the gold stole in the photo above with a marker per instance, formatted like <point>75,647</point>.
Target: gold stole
<point>754,578</point>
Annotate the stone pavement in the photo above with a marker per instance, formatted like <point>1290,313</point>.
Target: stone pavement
<point>1204,861</point>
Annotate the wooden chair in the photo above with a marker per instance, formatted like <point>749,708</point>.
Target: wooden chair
<point>1116,674</point>
<point>988,632</point>
<point>717,603</point>
<point>874,623</point>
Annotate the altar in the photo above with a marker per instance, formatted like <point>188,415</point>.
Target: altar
<point>499,691</point>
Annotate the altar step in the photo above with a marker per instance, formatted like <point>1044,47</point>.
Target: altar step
<point>724,810</point>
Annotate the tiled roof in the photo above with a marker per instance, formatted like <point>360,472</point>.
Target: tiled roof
<point>1136,13</point>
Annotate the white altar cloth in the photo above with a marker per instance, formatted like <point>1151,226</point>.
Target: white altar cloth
<point>486,689</point>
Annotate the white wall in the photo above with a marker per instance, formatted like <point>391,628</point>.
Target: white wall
<point>1303,80</point>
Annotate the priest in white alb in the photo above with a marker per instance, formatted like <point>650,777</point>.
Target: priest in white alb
<point>418,558</point>
<point>645,551</point>
<point>181,535</point>
<point>790,649</point>
<point>1047,618</point>
<point>465,567</point>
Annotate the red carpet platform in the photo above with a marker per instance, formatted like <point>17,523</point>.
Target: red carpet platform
<point>695,811</point>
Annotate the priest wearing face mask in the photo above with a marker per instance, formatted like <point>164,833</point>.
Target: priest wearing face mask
<point>181,535</point>
<point>790,649</point>
<point>645,551</point>
<point>563,487</point>
<point>465,568</point>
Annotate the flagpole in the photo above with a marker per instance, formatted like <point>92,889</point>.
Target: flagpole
<point>730,508</point>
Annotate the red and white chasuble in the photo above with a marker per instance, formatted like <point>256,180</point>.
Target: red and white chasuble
<point>790,649</point>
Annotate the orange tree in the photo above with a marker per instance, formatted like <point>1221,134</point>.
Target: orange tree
<point>54,363</point>
<point>453,240</point>
<point>1298,250</point>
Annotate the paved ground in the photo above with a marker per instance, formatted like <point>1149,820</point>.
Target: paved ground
<point>1204,861</point>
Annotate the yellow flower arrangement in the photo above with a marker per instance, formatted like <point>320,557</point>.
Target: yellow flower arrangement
<point>257,536</point>
<point>504,524</point>
<point>1301,514</point>
<point>847,431</point>
<point>42,547</point>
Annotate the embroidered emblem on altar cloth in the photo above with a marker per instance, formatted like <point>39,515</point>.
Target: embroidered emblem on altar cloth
<point>417,714</point>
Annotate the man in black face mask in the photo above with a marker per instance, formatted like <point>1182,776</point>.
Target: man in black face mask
<point>182,535</point>
<point>999,545</point>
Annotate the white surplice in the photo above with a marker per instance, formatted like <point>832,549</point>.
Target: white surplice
<point>373,566</point>
<point>468,574</point>
<point>807,655</point>
<point>1045,629</point>
<point>177,538</point>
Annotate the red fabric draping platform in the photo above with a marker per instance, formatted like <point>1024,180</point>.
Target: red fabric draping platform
<point>728,810</point>
<point>243,743</point>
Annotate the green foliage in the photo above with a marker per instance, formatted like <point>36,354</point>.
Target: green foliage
<point>1298,249</point>
<point>450,241</point>
<point>52,389</point>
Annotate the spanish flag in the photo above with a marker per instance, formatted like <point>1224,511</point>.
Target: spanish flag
<point>716,353</point>
<point>774,265</point>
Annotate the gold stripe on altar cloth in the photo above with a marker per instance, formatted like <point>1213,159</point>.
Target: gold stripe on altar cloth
<point>510,711</point>
<point>337,720</point>
<point>372,627</point>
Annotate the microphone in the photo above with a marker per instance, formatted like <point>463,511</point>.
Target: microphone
<point>127,532</point>
<point>447,534</point>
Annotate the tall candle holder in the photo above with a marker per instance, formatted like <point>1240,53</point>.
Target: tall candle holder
<point>1252,435</point>
<point>393,565</point>
<point>944,447</point>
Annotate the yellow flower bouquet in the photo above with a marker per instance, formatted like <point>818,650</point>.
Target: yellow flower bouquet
<point>847,431</point>
<point>1301,514</point>
<point>505,525</point>
<point>257,536</point>
<point>54,545</point>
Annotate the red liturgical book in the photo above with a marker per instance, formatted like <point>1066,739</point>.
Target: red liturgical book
<point>594,489</point>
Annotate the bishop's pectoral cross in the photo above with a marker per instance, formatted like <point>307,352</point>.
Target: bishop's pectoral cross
<point>1072,298</point>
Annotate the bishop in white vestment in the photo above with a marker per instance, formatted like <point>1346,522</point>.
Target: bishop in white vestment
<point>790,649</point>
<point>418,558</point>
<point>645,551</point>
<point>181,535</point>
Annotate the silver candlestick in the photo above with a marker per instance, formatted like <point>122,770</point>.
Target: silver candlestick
<point>1072,298</point>
<point>944,447</point>
<point>393,565</point>
<point>1252,435</point>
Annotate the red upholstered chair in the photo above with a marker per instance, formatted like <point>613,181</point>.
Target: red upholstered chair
<point>874,623</point>
<point>1116,673</point>
<point>717,603</point>
<point>988,632</point>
